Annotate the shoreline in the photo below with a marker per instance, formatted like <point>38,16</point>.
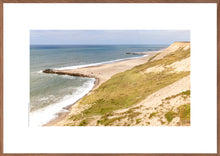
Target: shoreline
<point>101,73</point>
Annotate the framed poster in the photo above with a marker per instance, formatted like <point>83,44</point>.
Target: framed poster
<point>109,78</point>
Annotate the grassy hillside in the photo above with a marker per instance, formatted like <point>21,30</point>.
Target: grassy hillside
<point>130,87</point>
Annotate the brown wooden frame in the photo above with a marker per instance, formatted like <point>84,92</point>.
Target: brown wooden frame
<point>110,1</point>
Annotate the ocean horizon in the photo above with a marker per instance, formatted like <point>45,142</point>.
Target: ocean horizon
<point>50,93</point>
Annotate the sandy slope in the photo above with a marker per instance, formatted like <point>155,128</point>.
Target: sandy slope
<point>154,103</point>
<point>173,47</point>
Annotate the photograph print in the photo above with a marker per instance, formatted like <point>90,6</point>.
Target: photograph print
<point>109,78</point>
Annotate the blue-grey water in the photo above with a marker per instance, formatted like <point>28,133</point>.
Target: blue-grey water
<point>49,93</point>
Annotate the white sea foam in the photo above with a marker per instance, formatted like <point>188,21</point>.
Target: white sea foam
<point>96,64</point>
<point>44,115</point>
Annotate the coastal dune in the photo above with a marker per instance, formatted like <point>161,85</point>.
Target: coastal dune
<point>173,47</point>
<point>164,104</point>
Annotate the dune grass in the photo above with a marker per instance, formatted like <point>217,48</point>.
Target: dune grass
<point>184,94</point>
<point>184,113</point>
<point>132,86</point>
<point>170,115</point>
<point>151,58</point>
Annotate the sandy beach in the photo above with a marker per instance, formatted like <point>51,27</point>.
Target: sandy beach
<point>101,73</point>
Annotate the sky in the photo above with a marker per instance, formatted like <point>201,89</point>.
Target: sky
<point>105,37</point>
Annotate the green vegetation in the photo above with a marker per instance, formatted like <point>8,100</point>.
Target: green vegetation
<point>184,113</point>
<point>170,115</point>
<point>108,122</point>
<point>184,94</point>
<point>83,122</point>
<point>152,115</point>
<point>130,87</point>
<point>128,115</point>
<point>138,121</point>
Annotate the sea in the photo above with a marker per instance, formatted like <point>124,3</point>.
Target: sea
<point>51,93</point>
